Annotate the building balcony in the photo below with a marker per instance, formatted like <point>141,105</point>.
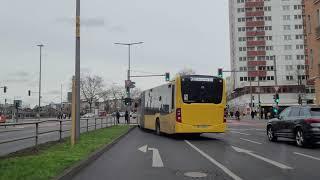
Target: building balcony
<point>254,4</point>
<point>256,63</point>
<point>255,23</point>
<point>256,43</point>
<point>256,53</point>
<point>255,13</point>
<point>257,73</point>
<point>256,33</point>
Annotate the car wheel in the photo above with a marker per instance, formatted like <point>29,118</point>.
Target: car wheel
<point>271,135</point>
<point>300,140</point>
<point>158,132</point>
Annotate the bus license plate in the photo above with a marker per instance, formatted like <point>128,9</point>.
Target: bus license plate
<point>202,126</point>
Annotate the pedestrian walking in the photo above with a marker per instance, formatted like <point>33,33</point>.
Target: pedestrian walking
<point>252,114</point>
<point>118,117</point>
<point>237,115</point>
<point>127,117</point>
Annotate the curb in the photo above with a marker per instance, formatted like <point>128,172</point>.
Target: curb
<point>73,170</point>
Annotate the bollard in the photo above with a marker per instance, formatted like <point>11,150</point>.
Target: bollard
<point>60,130</point>
<point>87,125</point>
<point>37,132</point>
<point>95,123</point>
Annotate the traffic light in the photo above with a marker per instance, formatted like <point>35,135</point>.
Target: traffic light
<point>275,110</point>
<point>276,98</point>
<point>167,75</point>
<point>5,89</point>
<point>220,73</point>
<point>29,93</point>
<point>127,101</point>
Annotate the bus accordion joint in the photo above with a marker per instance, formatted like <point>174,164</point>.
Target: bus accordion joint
<point>178,115</point>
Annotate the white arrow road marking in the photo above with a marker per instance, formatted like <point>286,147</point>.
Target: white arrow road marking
<point>240,133</point>
<point>143,148</point>
<point>282,166</point>
<point>250,141</point>
<point>213,161</point>
<point>156,158</point>
<point>308,156</point>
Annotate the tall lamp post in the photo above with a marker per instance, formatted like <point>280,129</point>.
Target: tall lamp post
<point>129,62</point>
<point>77,73</point>
<point>39,108</point>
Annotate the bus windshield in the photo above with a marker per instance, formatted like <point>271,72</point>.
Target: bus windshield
<point>201,89</point>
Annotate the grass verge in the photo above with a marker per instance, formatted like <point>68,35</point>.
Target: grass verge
<point>49,161</point>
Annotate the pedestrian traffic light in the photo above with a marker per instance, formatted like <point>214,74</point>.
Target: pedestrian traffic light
<point>167,75</point>
<point>5,89</point>
<point>220,72</point>
<point>276,98</point>
<point>29,93</point>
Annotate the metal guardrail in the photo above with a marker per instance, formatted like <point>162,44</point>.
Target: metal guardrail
<point>109,120</point>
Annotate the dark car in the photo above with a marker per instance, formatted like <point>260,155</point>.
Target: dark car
<point>301,123</point>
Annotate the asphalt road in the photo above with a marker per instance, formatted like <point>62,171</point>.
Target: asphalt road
<point>21,131</point>
<point>242,153</point>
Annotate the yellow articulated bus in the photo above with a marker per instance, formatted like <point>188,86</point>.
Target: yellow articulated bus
<point>189,104</point>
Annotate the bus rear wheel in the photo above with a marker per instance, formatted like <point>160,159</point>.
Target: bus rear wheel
<point>158,132</point>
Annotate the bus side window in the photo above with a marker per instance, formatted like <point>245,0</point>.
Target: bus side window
<point>172,96</point>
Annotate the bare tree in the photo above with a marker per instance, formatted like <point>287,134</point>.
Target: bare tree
<point>186,71</point>
<point>135,93</point>
<point>116,93</point>
<point>91,88</point>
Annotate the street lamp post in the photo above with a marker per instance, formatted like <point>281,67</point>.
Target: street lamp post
<point>39,109</point>
<point>77,73</point>
<point>129,62</point>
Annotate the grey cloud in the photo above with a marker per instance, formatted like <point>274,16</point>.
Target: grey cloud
<point>19,74</point>
<point>118,28</point>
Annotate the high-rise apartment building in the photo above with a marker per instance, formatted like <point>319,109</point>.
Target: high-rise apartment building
<point>268,53</point>
<point>312,22</point>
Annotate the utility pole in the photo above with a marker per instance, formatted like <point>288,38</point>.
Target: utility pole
<point>259,103</point>
<point>61,99</point>
<point>39,108</point>
<point>129,65</point>
<point>77,74</point>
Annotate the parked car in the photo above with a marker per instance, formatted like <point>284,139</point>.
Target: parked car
<point>133,115</point>
<point>88,115</point>
<point>2,118</point>
<point>301,123</point>
<point>122,114</point>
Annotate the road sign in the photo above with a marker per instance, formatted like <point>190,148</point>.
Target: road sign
<point>276,88</point>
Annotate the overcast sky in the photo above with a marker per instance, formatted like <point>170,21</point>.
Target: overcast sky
<point>176,34</point>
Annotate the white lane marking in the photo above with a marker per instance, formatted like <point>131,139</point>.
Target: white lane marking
<point>282,166</point>
<point>156,159</point>
<point>143,148</point>
<point>213,161</point>
<point>250,141</point>
<point>236,132</point>
<point>308,156</point>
